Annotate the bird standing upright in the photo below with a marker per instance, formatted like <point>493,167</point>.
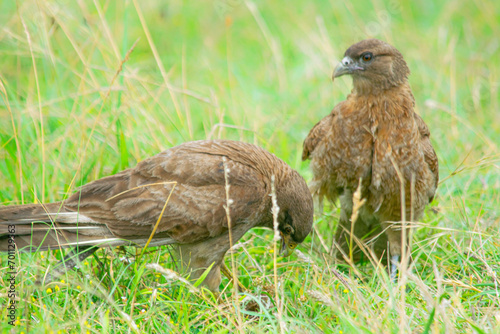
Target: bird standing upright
<point>191,196</point>
<point>374,140</point>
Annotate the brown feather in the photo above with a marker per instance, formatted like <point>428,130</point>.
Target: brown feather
<point>125,207</point>
<point>370,137</point>
<point>315,135</point>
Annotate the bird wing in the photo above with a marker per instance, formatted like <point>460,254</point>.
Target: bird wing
<point>317,133</point>
<point>185,188</point>
<point>429,153</point>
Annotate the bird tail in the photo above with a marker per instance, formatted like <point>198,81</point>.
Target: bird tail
<point>40,227</point>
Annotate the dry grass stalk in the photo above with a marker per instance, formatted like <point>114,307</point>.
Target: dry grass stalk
<point>357,203</point>
<point>275,210</point>
<point>171,275</point>
<point>322,298</point>
<point>227,208</point>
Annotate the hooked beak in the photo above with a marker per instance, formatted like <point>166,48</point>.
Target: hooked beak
<point>346,66</point>
<point>287,246</point>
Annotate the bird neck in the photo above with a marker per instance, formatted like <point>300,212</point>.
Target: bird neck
<point>394,102</point>
<point>365,87</point>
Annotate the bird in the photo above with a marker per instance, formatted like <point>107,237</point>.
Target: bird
<point>195,197</point>
<point>376,143</point>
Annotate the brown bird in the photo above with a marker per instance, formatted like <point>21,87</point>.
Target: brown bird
<point>176,197</point>
<point>376,140</point>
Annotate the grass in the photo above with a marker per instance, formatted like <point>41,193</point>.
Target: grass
<point>73,110</point>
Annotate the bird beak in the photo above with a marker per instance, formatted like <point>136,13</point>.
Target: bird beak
<point>346,66</point>
<point>285,249</point>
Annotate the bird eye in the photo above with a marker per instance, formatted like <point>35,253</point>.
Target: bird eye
<point>292,246</point>
<point>367,56</point>
<point>288,230</point>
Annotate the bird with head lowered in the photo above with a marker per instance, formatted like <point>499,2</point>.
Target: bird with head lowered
<point>194,196</point>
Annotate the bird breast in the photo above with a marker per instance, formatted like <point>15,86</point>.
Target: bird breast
<point>371,140</point>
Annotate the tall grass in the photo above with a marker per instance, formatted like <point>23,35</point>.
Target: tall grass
<point>74,108</point>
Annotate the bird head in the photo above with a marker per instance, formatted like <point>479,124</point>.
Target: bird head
<point>296,213</point>
<point>373,64</point>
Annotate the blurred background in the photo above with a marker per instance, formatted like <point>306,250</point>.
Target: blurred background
<point>89,88</point>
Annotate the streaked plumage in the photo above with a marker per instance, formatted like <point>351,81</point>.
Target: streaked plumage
<point>370,136</point>
<point>123,209</point>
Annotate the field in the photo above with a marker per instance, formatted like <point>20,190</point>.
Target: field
<point>89,88</point>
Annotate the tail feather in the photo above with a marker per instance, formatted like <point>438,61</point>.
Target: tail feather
<point>19,214</point>
<point>49,226</point>
<point>37,227</point>
<point>29,211</point>
<point>60,217</point>
<point>24,229</point>
<point>50,240</point>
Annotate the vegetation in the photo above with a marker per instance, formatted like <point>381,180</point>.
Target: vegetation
<point>89,88</point>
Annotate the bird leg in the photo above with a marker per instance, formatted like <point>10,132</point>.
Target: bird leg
<point>226,272</point>
<point>394,267</point>
<point>194,259</point>
<point>395,247</point>
<point>69,262</point>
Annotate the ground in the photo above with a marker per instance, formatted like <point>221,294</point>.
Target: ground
<point>79,101</point>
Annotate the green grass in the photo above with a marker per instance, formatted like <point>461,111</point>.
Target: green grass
<point>257,72</point>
